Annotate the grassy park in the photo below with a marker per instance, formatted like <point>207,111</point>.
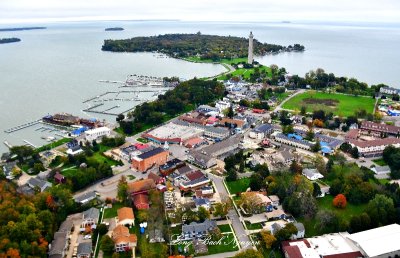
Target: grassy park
<point>238,186</point>
<point>245,72</point>
<point>339,104</point>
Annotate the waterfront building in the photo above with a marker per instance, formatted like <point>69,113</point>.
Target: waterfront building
<point>97,133</point>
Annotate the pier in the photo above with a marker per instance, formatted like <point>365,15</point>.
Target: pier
<point>30,144</point>
<point>23,126</point>
<point>6,143</point>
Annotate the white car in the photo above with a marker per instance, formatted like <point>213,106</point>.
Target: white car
<point>87,237</point>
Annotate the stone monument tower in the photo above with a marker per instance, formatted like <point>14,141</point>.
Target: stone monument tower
<point>250,56</point>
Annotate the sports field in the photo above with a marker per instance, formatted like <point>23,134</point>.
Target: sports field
<point>339,104</point>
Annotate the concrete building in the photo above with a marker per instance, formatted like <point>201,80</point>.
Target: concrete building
<point>374,148</point>
<point>148,159</point>
<point>97,133</point>
<point>250,57</point>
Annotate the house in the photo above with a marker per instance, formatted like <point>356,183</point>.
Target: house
<point>312,174</point>
<point>156,236</point>
<point>141,201</point>
<point>381,172</point>
<point>274,200</point>
<point>59,178</point>
<point>197,230</point>
<point>125,216</point>
<point>285,157</point>
<point>275,214</point>
<point>260,198</point>
<point>293,140</point>
<point>202,202</point>
<point>275,227</point>
<point>123,240</point>
<point>74,148</point>
<point>193,180</point>
<point>86,197</point>
<point>156,178</point>
<point>8,169</point>
<point>301,231</point>
<point>36,183</point>
<point>90,218</point>
<point>144,161</point>
<point>141,186</point>
<point>59,246</point>
<point>84,250</point>
<point>97,133</point>
<point>261,131</point>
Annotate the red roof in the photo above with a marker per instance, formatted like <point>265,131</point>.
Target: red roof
<point>194,175</point>
<point>141,146</point>
<point>292,251</point>
<point>141,201</point>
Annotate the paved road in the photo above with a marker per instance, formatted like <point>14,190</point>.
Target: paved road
<point>279,107</point>
<point>240,232</point>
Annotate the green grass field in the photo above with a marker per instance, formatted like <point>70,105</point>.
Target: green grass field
<point>224,61</point>
<point>325,203</point>
<point>112,212</point>
<point>238,186</point>
<point>245,73</point>
<point>342,105</point>
<point>379,162</point>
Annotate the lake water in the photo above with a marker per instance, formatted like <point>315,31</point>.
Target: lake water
<point>54,70</point>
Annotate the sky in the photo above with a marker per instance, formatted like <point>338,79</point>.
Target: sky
<point>20,11</point>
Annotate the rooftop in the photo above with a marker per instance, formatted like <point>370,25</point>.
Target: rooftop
<point>125,213</point>
<point>141,185</point>
<point>151,153</point>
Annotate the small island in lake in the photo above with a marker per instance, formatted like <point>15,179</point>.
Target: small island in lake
<point>23,28</point>
<point>205,47</point>
<point>9,40</point>
<point>114,29</point>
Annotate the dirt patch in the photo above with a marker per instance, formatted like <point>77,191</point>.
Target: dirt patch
<point>326,102</point>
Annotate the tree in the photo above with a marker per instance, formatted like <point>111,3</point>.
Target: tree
<point>107,245</point>
<point>295,167</point>
<point>231,175</point>
<point>102,229</point>
<point>122,189</point>
<point>316,190</point>
<point>249,253</point>
<point>203,213</point>
<point>316,147</point>
<point>327,221</point>
<point>340,201</point>
<point>120,117</point>
<point>381,210</point>
<point>286,232</point>
<point>354,153</point>
<point>303,110</point>
<point>268,239</point>
<point>262,169</point>
<point>229,112</point>
<point>256,182</point>
<point>142,215</point>
<point>222,208</point>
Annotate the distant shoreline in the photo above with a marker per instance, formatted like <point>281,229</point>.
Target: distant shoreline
<point>22,28</point>
<point>114,29</point>
<point>9,40</point>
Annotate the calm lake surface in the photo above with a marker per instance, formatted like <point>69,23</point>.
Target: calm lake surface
<point>56,69</point>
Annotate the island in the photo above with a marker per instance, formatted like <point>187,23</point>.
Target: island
<point>9,40</point>
<point>23,28</point>
<point>204,47</point>
<point>114,29</point>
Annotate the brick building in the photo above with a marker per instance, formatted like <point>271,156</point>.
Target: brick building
<point>144,161</point>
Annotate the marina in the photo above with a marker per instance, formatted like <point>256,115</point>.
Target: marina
<point>23,126</point>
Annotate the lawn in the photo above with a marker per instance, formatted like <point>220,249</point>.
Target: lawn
<point>245,73</point>
<point>325,203</point>
<point>228,244</point>
<point>254,226</point>
<point>238,186</point>
<point>112,212</point>
<point>225,228</point>
<point>339,104</point>
<point>69,171</point>
<point>379,162</point>
<point>53,144</point>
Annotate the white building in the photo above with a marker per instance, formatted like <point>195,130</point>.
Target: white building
<point>97,133</point>
<point>381,172</point>
<point>312,174</point>
<point>388,90</point>
<point>222,105</point>
<point>374,147</point>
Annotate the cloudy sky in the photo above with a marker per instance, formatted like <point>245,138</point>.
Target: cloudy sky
<point>200,10</point>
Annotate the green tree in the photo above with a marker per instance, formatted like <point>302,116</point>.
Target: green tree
<point>316,147</point>
<point>122,193</point>
<point>316,190</point>
<point>381,210</point>
<point>256,182</point>
<point>107,245</point>
<point>203,213</point>
<point>249,253</point>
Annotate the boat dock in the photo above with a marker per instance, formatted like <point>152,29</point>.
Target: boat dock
<point>6,143</point>
<point>23,126</point>
<point>30,144</point>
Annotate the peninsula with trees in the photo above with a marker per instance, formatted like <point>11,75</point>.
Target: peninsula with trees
<point>22,28</point>
<point>9,40</point>
<point>114,29</point>
<point>205,47</point>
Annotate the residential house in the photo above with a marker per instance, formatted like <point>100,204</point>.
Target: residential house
<point>84,250</point>
<point>36,183</point>
<point>90,218</point>
<point>58,248</point>
<point>8,169</point>
<point>285,157</point>
<point>141,201</point>
<point>74,148</point>
<point>125,216</point>
<point>381,172</point>
<point>312,174</point>
<point>194,142</point>
<point>222,105</point>
<point>59,178</point>
<point>197,230</point>
<point>301,231</point>
<point>144,161</point>
<point>97,133</point>
<point>86,197</point>
<point>202,202</point>
<point>123,240</point>
<point>233,123</point>
<point>275,227</point>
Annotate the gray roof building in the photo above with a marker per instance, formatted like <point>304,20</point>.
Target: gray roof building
<point>197,230</point>
<point>86,197</point>
<point>35,182</point>
<point>84,249</point>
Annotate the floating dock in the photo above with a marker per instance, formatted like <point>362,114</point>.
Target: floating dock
<point>23,126</point>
